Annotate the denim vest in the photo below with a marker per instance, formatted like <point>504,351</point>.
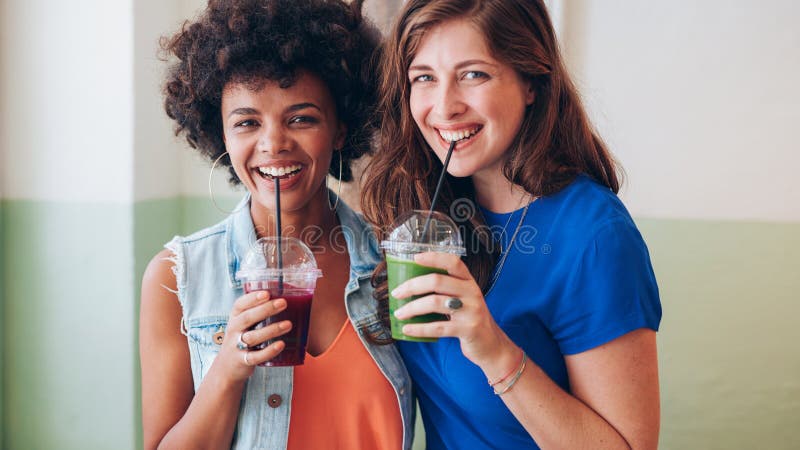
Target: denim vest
<point>205,267</point>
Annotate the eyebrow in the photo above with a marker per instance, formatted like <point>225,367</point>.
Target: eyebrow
<point>460,65</point>
<point>248,111</point>
<point>300,106</point>
<point>242,112</point>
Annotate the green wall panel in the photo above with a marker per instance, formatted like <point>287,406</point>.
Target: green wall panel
<point>199,212</point>
<point>729,360</point>
<point>2,318</point>
<point>155,223</point>
<point>68,326</point>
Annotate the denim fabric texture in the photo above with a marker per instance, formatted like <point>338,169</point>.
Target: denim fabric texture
<point>205,266</point>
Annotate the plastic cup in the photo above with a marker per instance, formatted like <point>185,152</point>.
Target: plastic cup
<point>409,236</point>
<point>294,280</point>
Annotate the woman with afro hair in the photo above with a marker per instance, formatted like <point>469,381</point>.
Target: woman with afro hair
<point>272,89</point>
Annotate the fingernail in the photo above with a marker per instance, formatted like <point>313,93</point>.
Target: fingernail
<point>395,292</point>
<point>398,314</point>
<point>279,303</point>
<point>284,325</point>
<point>262,295</point>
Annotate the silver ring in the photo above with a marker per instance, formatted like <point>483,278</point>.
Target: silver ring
<point>453,303</point>
<point>246,361</point>
<point>240,343</point>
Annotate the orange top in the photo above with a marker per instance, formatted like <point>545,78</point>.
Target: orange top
<point>341,400</point>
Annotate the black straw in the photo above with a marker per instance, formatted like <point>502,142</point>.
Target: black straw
<point>278,231</point>
<point>438,187</point>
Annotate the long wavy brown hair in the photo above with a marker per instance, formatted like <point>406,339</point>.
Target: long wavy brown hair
<point>555,143</point>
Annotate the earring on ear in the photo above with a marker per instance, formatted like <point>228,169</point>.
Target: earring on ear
<point>211,191</point>
<point>338,154</point>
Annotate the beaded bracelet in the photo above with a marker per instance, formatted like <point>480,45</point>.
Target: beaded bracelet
<point>510,372</point>
<point>516,377</point>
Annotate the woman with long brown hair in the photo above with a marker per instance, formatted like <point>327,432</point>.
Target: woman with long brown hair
<point>555,306</point>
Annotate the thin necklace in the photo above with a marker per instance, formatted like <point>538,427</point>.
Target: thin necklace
<point>510,216</point>
<point>503,233</point>
<point>504,252</point>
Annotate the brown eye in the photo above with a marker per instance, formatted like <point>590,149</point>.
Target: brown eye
<point>245,123</point>
<point>303,120</point>
<point>422,78</point>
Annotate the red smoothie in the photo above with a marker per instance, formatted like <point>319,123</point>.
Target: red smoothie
<point>298,311</point>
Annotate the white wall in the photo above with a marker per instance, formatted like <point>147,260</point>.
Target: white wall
<point>4,119</point>
<point>68,114</point>
<point>157,153</point>
<point>557,11</point>
<point>698,100</point>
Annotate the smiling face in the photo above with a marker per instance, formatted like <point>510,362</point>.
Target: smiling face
<point>287,133</point>
<point>459,91</point>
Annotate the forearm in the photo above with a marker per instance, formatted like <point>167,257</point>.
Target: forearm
<point>556,419</point>
<point>553,417</point>
<point>211,418</point>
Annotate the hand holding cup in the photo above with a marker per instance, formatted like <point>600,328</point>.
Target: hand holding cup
<point>247,311</point>
<point>413,233</point>
<point>471,322</point>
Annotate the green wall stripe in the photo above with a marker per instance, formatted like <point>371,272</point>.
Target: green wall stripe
<point>155,222</point>
<point>3,298</point>
<point>200,212</point>
<point>68,328</point>
<point>729,365</point>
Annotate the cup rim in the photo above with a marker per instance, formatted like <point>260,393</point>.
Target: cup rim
<point>417,247</point>
<point>276,274</point>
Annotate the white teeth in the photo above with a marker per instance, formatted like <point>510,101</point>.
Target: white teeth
<point>451,136</point>
<point>279,171</point>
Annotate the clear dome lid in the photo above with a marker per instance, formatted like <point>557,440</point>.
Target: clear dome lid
<point>420,231</point>
<point>264,262</point>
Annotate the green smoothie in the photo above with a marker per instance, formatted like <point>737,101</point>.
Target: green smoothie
<point>398,271</point>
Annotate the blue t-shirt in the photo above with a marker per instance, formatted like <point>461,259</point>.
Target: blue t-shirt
<point>578,276</point>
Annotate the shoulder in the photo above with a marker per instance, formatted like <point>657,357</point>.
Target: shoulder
<point>586,200</point>
<point>160,269</point>
<point>193,250</point>
<point>160,306</point>
<point>584,209</point>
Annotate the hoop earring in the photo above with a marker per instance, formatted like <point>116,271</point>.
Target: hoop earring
<point>339,189</point>
<point>211,191</point>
